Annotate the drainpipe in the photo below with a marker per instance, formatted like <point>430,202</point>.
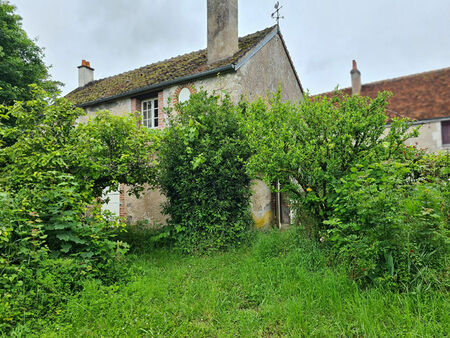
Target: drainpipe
<point>278,206</point>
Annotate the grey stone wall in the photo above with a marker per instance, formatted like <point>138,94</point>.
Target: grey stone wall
<point>118,107</point>
<point>430,137</point>
<point>266,70</point>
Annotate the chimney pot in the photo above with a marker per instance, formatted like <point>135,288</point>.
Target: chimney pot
<point>222,29</point>
<point>356,79</point>
<point>85,73</point>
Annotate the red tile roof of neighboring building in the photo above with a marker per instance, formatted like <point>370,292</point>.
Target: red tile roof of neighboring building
<point>420,96</point>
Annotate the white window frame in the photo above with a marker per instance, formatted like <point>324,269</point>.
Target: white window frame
<point>150,113</point>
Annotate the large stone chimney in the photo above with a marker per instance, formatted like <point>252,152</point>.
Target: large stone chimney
<point>85,73</point>
<point>222,29</point>
<point>356,79</point>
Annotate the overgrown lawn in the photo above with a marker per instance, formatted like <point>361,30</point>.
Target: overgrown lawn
<point>280,286</point>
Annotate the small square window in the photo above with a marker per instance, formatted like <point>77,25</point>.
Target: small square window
<point>445,128</point>
<point>150,113</point>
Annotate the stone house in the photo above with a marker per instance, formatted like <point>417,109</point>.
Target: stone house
<point>423,97</point>
<point>250,66</point>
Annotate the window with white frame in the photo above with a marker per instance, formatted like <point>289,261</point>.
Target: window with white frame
<point>150,113</point>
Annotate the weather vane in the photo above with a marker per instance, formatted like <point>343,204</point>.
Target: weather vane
<point>276,15</point>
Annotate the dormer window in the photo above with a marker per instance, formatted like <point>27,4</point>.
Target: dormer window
<point>150,113</point>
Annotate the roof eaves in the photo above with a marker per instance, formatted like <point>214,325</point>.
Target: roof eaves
<point>428,120</point>
<point>160,85</point>
<point>291,62</point>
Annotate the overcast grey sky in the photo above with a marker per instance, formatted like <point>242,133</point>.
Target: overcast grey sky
<point>388,38</point>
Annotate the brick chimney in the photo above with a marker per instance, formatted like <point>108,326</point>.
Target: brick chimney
<point>356,79</point>
<point>222,29</point>
<point>85,73</point>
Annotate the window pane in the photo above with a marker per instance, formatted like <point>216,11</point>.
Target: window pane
<point>155,113</point>
<point>144,105</point>
<point>445,127</point>
<point>156,122</point>
<point>156,103</point>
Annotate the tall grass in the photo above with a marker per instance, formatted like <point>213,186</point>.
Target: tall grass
<point>280,286</point>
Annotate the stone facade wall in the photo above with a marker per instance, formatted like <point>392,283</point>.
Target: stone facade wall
<point>147,207</point>
<point>119,107</point>
<point>266,70</point>
<point>430,137</point>
<point>229,82</point>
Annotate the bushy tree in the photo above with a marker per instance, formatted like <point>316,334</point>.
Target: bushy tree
<point>50,181</point>
<point>310,146</point>
<point>381,206</point>
<point>61,166</point>
<point>20,60</point>
<point>202,162</point>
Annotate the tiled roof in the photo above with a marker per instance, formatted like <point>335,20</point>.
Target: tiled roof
<point>160,72</point>
<point>420,96</point>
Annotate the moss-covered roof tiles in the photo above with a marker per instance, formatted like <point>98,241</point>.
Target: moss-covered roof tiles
<point>153,74</point>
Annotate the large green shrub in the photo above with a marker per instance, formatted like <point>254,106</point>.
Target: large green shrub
<point>382,207</point>
<point>60,166</point>
<point>203,174</point>
<point>309,146</point>
<point>50,180</point>
<point>390,222</point>
<point>21,61</point>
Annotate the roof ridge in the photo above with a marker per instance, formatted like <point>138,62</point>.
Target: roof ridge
<point>427,72</point>
<point>398,78</point>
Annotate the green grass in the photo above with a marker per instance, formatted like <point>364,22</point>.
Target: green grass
<point>280,286</point>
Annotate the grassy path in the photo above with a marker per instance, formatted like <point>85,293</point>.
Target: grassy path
<point>279,287</point>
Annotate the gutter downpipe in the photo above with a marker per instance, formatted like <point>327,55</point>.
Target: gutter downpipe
<point>278,206</point>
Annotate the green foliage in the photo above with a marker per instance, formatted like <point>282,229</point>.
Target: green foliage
<point>39,291</point>
<point>203,174</point>
<point>20,60</point>
<point>31,284</point>
<point>308,147</point>
<point>381,206</point>
<point>278,287</point>
<point>390,223</point>
<point>144,238</point>
<point>21,63</point>
<point>115,149</point>
<point>60,167</point>
<point>50,181</point>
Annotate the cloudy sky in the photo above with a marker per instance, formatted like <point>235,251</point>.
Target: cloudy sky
<point>388,38</point>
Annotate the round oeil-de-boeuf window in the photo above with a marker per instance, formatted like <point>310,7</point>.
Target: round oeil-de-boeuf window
<point>184,95</point>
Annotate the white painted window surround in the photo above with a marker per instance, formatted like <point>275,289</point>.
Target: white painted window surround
<point>150,110</point>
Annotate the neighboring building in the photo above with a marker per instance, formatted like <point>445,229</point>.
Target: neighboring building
<point>250,66</point>
<point>423,97</point>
